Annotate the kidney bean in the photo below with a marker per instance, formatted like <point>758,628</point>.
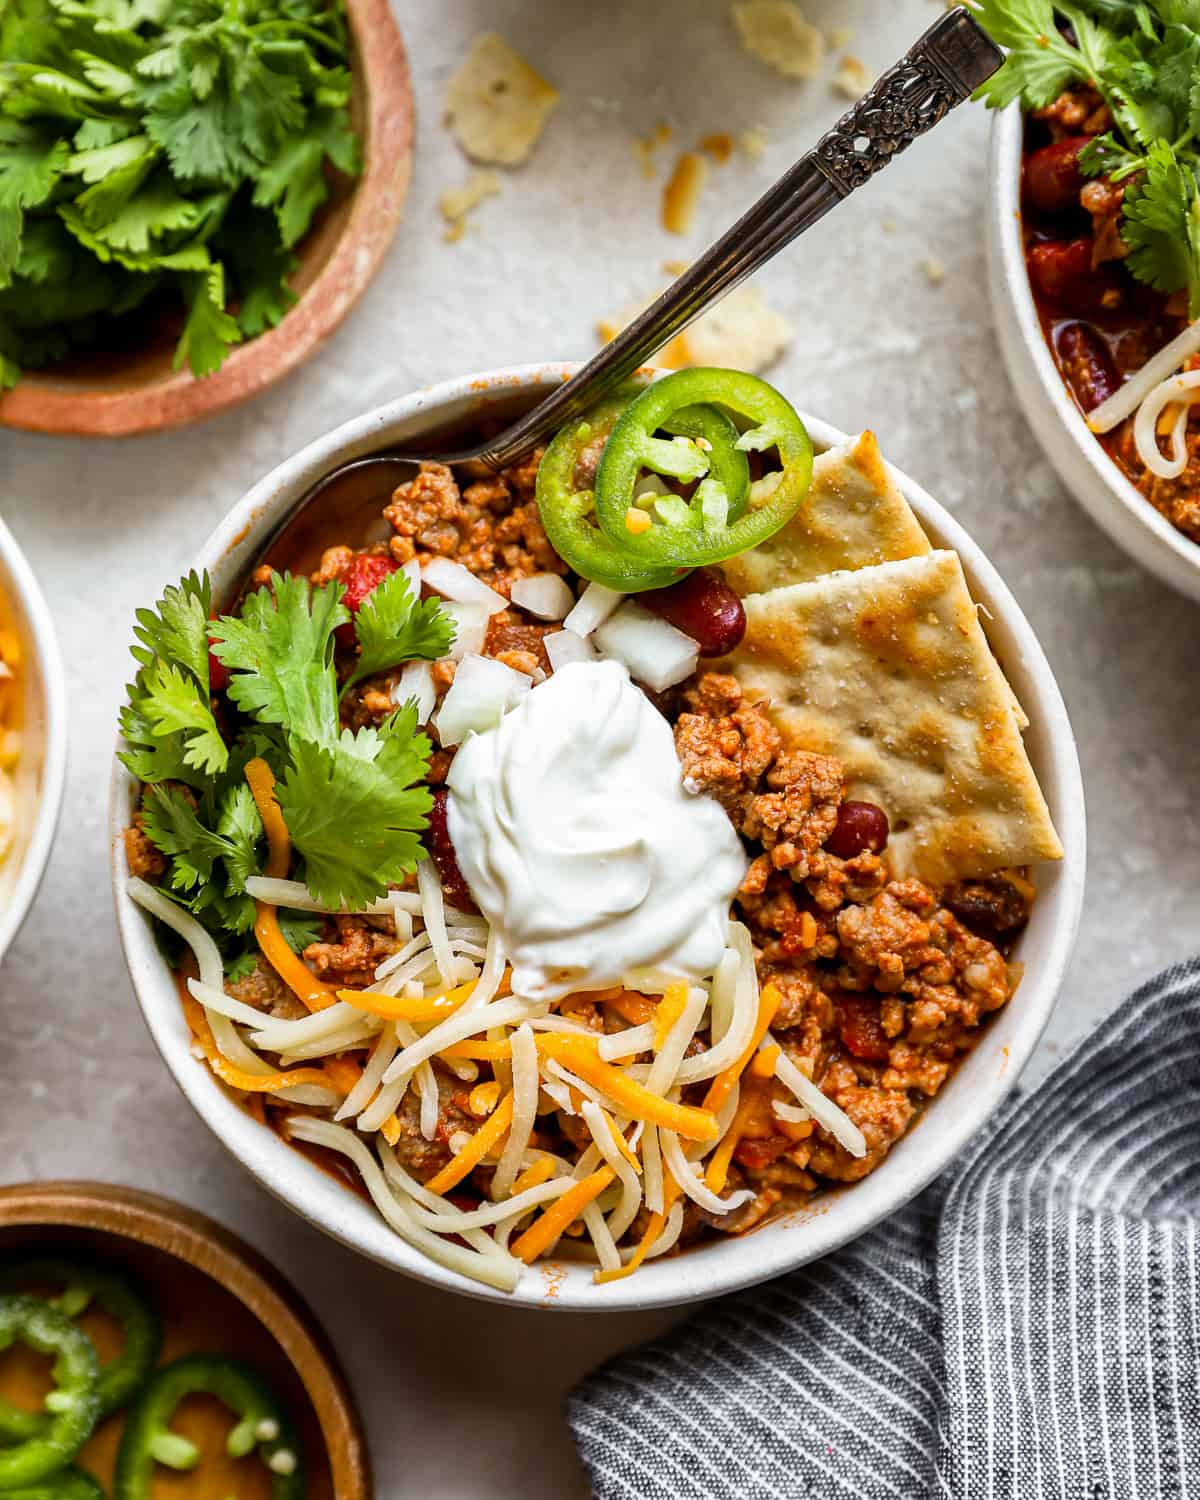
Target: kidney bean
<point>441,851</point>
<point>1087,364</point>
<point>1061,271</point>
<point>860,826</point>
<point>1052,180</point>
<point>703,606</point>
<point>861,1029</point>
<point>364,574</point>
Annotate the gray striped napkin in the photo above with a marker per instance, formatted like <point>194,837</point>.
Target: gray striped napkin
<point>1028,1327</point>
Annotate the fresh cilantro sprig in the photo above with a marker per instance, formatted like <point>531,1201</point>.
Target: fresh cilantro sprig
<point>354,802</point>
<point>167,149</point>
<point>1143,58</point>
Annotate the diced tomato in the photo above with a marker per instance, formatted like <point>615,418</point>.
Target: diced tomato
<point>759,1152</point>
<point>364,574</point>
<point>860,1028</point>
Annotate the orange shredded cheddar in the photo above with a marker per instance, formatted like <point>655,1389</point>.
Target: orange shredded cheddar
<point>631,1007</point>
<point>238,1078</point>
<point>400,1008</point>
<point>764,1062</point>
<point>668,1011</point>
<point>391,1129</point>
<point>562,1213</point>
<point>682,192</point>
<point>719,147</point>
<point>658,1222</point>
<point>717,1172</point>
<point>483,1098</point>
<point>478,1049</point>
<point>579,1054</point>
<point>541,1171</point>
<point>314,992</point>
<point>621,1143</point>
<point>342,1073</point>
<point>489,1134</point>
<point>722,1085</point>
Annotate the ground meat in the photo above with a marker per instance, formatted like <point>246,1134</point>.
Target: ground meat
<point>517,642</point>
<point>1078,111</point>
<point>799,813</point>
<point>264,989</point>
<point>480,527</point>
<point>1176,499</point>
<point>145,861</point>
<point>417,1155</point>
<point>725,747</point>
<point>1103,200</point>
<point>883,1115</point>
<point>360,947</point>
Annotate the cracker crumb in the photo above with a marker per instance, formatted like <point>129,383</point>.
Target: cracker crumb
<point>675,267</point>
<point>851,78</point>
<point>682,192</point>
<point>645,147</point>
<point>753,142</point>
<point>777,33</point>
<point>457,203</point>
<point>718,146</point>
<point>743,332</point>
<point>934,269</point>
<point>497,104</point>
<point>841,36</point>
<point>888,226</point>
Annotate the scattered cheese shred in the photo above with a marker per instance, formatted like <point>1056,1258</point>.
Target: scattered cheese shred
<point>625,1092</point>
<point>777,33</point>
<point>457,203</point>
<point>541,1171</point>
<point>489,1134</point>
<point>681,195</point>
<point>496,104</point>
<point>668,1011</point>
<point>658,1222</point>
<point>402,1008</point>
<point>545,1230</point>
<point>722,1085</point>
<point>238,1078</point>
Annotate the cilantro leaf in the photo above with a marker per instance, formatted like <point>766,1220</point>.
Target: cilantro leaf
<point>30,167</point>
<point>353,812</point>
<point>238,822</point>
<point>1040,63</point>
<point>210,332</point>
<point>176,629</point>
<point>1161,225</point>
<point>280,654</point>
<point>294,185</point>
<point>171,702</point>
<point>393,626</point>
<point>259,267</point>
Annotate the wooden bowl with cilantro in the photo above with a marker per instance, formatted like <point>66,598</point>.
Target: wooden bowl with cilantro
<point>192,197</point>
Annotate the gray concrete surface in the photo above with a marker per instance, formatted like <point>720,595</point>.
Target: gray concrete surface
<point>464,1401</point>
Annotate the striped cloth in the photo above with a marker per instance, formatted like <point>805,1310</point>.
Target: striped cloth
<point>1029,1327</point>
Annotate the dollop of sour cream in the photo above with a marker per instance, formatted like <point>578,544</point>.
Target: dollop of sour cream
<point>581,845</point>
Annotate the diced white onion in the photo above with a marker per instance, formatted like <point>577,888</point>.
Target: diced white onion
<point>470,628</point>
<point>545,595</point>
<point>412,571</point>
<point>482,692</point>
<point>416,683</point>
<point>595,605</point>
<point>453,581</point>
<point>824,1111</point>
<point>653,650</point>
<point>564,647</point>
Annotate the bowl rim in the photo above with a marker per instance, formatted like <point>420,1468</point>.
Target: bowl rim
<point>185,1234</point>
<point>30,604</point>
<point>1112,501</point>
<point>717,1269</point>
<point>39,404</point>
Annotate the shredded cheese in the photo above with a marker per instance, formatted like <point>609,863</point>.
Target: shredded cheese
<point>401,1008</point>
<point>721,1086</point>
<point>489,1135</point>
<point>630,1097</point>
<point>546,1230</point>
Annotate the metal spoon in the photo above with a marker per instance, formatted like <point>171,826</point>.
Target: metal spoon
<point>942,69</point>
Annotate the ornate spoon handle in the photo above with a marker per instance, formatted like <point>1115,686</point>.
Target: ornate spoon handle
<point>948,62</point>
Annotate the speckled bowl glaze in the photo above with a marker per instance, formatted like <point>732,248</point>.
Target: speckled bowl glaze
<point>1070,445</point>
<point>964,1104</point>
<point>41,769</point>
<point>138,391</point>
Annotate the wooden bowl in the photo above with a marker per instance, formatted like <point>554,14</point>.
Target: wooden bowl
<point>120,394</point>
<point>203,1278</point>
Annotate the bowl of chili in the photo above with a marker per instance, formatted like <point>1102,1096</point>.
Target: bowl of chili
<point>33,736</point>
<point>1066,351</point>
<point>315,1188</point>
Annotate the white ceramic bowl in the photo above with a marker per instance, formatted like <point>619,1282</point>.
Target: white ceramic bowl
<point>964,1104</point>
<point>40,771</point>
<point>1082,464</point>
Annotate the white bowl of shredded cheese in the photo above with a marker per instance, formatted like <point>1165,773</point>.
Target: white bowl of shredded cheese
<point>1072,447</point>
<point>33,736</point>
<point>963,1106</point>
